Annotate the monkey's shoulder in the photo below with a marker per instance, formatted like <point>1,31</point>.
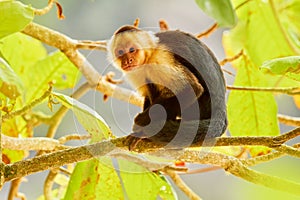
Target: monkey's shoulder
<point>194,55</point>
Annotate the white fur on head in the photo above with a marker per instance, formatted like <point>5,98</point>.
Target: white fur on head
<point>111,43</point>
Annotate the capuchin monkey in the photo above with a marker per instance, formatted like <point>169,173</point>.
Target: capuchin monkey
<point>181,81</point>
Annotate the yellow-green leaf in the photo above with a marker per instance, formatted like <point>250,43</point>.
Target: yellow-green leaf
<point>87,117</point>
<point>14,16</point>
<point>287,66</point>
<point>22,52</point>
<point>251,113</point>
<point>10,83</point>
<point>259,32</point>
<point>55,68</point>
<point>94,179</point>
<point>139,183</point>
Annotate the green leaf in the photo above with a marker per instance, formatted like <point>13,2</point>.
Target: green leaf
<point>88,118</point>
<point>14,16</point>
<point>94,179</point>
<point>22,52</point>
<point>251,113</point>
<point>289,15</point>
<point>139,183</point>
<point>288,66</point>
<point>55,68</point>
<point>258,32</point>
<point>222,11</point>
<point>10,84</point>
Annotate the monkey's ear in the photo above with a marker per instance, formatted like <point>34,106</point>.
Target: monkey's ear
<point>136,23</point>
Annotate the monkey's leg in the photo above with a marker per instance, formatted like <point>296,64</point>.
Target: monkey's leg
<point>176,133</point>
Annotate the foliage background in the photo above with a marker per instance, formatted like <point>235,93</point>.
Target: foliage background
<point>98,19</point>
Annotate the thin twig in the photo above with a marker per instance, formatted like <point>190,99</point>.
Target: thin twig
<point>136,22</point>
<point>91,45</point>
<point>67,138</point>
<point>203,170</point>
<point>262,159</point>
<point>288,120</point>
<point>14,190</point>
<point>227,60</point>
<point>289,150</point>
<point>151,165</point>
<point>44,10</point>
<point>49,183</point>
<point>27,107</point>
<point>208,32</point>
<point>180,183</point>
<point>289,91</point>
<point>65,171</point>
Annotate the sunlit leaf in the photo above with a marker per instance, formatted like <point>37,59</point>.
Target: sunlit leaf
<point>22,52</point>
<point>258,32</point>
<point>94,179</point>
<point>140,183</point>
<point>14,16</point>
<point>289,15</point>
<point>288,66</point>
<point>221,11</point>
<point>55,68</point>
<point>10,84</point>
<point>87,117</point>
<point>251,113</point>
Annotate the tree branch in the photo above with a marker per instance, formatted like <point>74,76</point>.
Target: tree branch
<point>60,158</point>
<point>288,120</point>
<point>69,47</point>
<point>36,143</point>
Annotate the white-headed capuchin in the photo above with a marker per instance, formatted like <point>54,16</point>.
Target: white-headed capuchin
<point>181,81</point>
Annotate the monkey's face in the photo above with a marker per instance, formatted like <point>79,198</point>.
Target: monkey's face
<point>130,50</point>
<point>129,56</point>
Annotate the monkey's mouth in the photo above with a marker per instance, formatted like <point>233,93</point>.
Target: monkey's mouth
<point>129,67</point>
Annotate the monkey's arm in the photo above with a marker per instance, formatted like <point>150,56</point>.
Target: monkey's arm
<point>169,110</point>
<point>173,104</point>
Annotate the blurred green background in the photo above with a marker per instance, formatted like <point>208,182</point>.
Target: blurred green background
<point>97,20</point>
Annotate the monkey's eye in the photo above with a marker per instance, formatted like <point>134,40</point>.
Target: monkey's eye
<point>131,49</point>
<point>120,52</point>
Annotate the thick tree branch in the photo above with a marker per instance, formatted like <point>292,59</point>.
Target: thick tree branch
<point>56,159</point>
<point>60,158</point>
